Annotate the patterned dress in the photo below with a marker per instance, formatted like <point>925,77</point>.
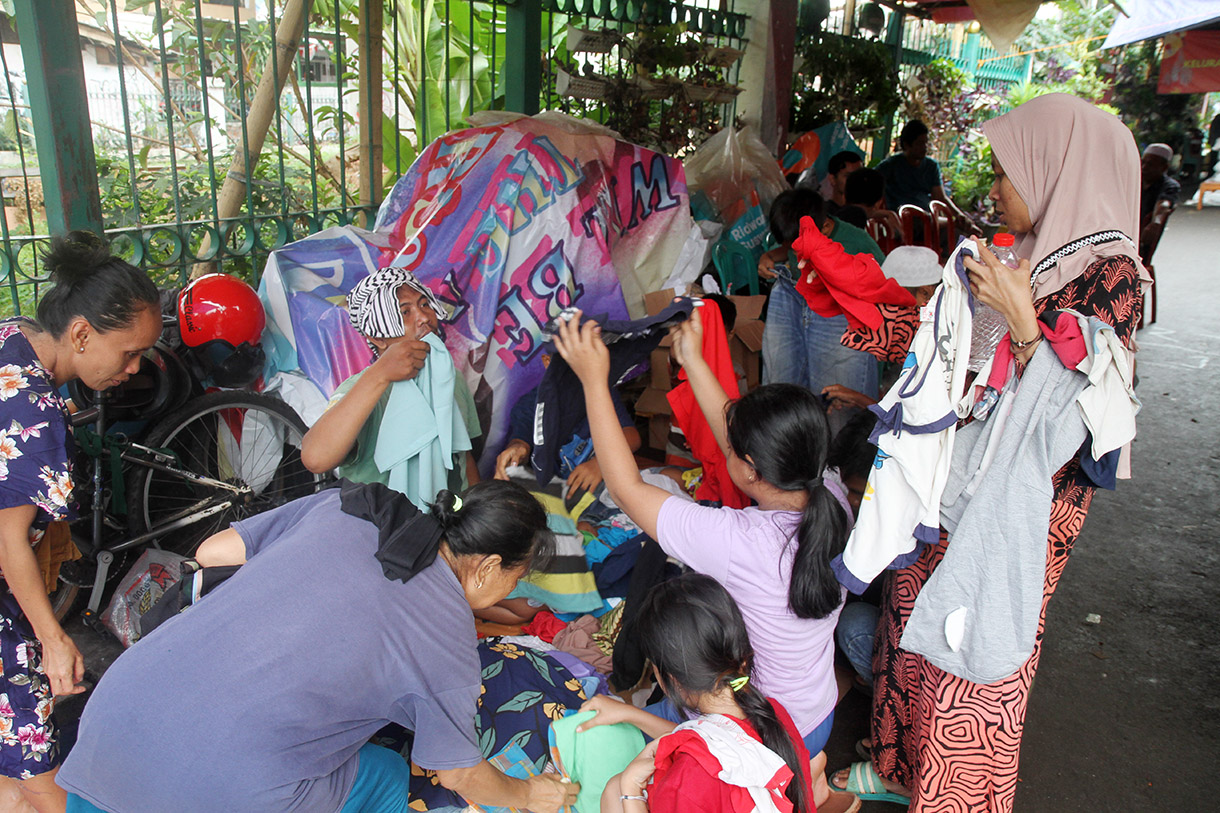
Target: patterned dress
<point>955,743</point>
<point>36,454</point>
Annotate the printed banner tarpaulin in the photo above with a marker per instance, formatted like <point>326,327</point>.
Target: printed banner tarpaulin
<point>1190,63</point>
<point>507,224</point>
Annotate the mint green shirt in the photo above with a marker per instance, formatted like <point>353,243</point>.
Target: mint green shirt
<point>359,466</point>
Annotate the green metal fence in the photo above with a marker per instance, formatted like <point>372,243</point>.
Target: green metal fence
<point>187,181</point>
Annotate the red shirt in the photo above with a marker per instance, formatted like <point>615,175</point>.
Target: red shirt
<point>686,778</point>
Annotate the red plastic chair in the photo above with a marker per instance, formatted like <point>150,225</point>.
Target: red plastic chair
<point>945,229</point>
<point>879,230</point>
<point>923,235</point>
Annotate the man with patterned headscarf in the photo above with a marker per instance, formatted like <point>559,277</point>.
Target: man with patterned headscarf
<point>399,318</point>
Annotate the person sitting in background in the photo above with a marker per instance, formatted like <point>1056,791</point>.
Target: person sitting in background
<point>394,312</point>
<point>580,467</point>
<point>866,189</point>
<point>799,346</point>
<point>911,177</point>
<point>917,269</point>
<point>1158,196</point>
<point>833,186</point>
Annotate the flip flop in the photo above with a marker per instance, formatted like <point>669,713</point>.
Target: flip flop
<point>863,781</point>
<point>864,749</point>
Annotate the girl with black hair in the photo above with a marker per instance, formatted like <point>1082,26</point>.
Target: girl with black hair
<point>774,558</point>
<point>352,609</point>
<point>93,325</point>
<point>693,634</point>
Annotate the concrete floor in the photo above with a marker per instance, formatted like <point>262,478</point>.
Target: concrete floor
<point>1126,714</point>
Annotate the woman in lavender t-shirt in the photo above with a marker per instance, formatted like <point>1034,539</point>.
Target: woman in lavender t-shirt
<point>774,559</point>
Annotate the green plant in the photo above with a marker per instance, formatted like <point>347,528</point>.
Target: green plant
<point>1152,116</point>
<point>843,79</point>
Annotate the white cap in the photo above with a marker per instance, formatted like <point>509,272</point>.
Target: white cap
<point>1160,151</point>
<point>912,266</point>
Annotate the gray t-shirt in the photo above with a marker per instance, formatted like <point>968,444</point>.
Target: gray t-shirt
<point>259,697</point>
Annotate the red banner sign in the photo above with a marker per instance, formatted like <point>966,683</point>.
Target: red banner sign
<point>1190,63</point>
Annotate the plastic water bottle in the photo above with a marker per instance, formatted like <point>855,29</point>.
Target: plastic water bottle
<point>989,324</point>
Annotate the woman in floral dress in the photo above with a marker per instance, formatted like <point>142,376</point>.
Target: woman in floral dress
<point>93,325</point>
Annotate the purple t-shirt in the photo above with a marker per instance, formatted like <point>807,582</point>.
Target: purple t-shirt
<point>259,696</point>
<point>749,551</point>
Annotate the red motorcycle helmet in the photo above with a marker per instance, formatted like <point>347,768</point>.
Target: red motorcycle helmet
<point>221,321</point>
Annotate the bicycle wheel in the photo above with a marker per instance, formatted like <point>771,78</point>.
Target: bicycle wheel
<point>248,445</point>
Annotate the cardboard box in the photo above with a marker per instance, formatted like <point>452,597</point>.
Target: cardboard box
<point>654,405</point>
<point>745,343</point>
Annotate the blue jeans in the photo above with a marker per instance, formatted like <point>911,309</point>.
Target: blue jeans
<point>800,347</point>
<point>855,632</point>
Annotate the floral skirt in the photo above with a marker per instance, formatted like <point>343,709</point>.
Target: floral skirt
<point>28,743</point>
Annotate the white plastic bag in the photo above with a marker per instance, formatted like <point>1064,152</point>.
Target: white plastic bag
<point>739,178</point>
<point>152,574</point>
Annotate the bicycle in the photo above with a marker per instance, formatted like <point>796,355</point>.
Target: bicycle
<point>203,461</point>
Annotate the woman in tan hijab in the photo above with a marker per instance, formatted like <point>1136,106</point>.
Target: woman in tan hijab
<point>1067,185</point>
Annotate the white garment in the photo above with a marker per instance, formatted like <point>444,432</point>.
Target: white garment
<point>744,761</point>
<point>1109,404</point>
<point>918,417</point>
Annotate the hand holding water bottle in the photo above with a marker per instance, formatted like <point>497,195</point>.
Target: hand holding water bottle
<point>1001,283</point>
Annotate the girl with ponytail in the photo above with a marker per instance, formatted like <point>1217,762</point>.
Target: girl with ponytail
<point>772,558</point>
<point>692,632</point>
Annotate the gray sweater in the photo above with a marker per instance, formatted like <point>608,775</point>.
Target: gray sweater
<point>977,616</point>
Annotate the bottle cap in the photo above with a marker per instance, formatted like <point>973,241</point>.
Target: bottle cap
<point>1003,239</point>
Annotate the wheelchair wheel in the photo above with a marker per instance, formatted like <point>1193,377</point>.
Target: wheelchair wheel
<point>250,442</point>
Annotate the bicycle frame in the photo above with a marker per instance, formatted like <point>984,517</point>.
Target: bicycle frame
<point>139,455</point>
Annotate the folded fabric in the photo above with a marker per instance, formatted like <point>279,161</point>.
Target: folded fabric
<point>835,282</point>
<point>418,461</point>
<point>577,639</point>
<point>594,756</point>
<point>545,625</point>
<point>565,584</point>
<point>687,416</point>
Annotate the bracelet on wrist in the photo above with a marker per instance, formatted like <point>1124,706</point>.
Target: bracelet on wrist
<point>1018,347</point>
<point>626,797</point>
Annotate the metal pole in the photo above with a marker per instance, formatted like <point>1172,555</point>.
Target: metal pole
<point>523,59</point>
<point>371,28</point>
<point>59,109</point>
<point>258,119</point>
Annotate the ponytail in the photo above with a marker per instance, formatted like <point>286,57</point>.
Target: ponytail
<point>814,590</point>
<point>692,632</point>
<point>761,715</point>
<point>781,430</point>
<point>496,517</point>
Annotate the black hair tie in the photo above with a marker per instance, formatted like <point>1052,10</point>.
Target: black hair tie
<point>816,482</point>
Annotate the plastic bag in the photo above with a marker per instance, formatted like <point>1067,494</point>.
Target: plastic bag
<point>739,178</point>
<point>152,574</point>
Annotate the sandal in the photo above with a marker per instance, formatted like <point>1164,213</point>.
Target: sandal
<point>862,780</point>
<point>864,749</point>
<point>831,805</point>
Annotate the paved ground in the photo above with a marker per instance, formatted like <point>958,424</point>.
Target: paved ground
<point>1125,715</point>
